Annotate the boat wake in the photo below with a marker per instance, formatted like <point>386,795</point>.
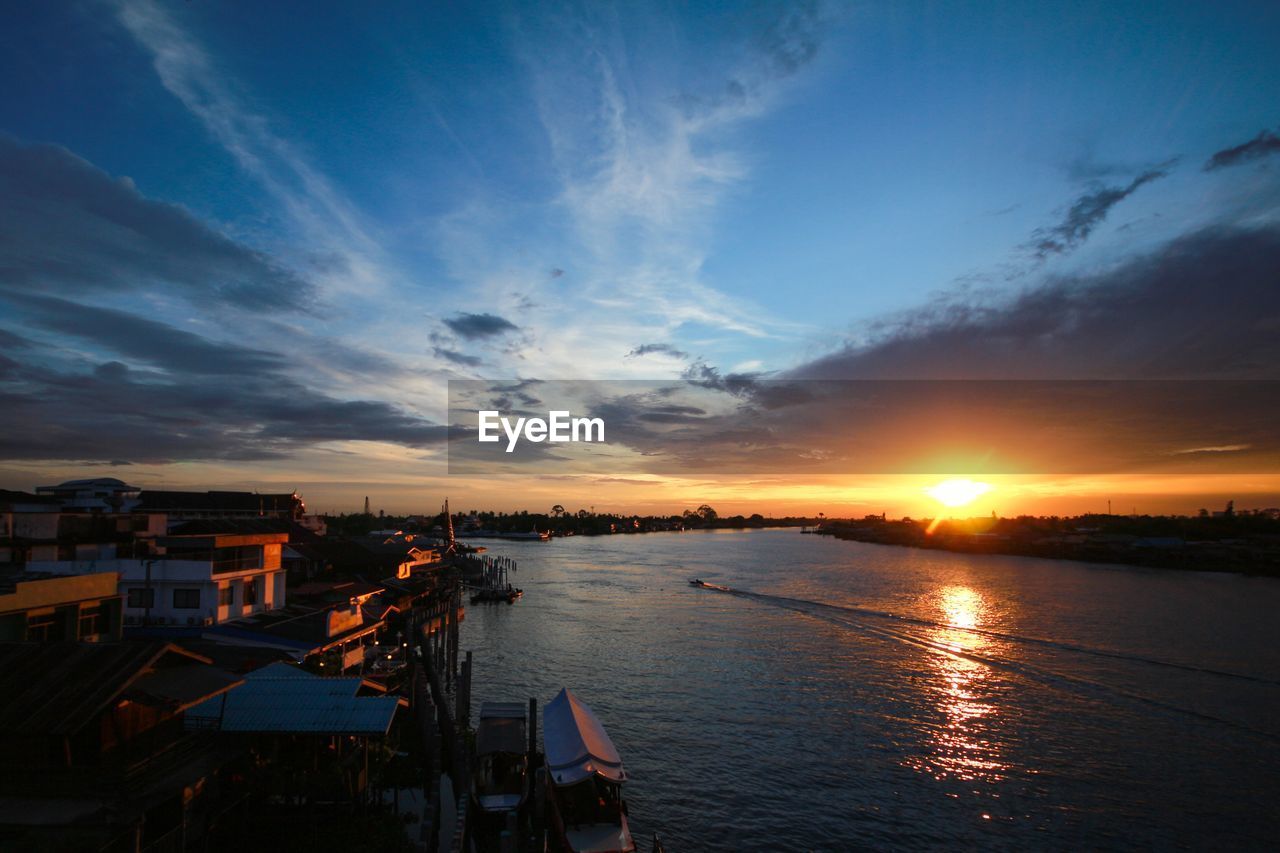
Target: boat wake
<point>911,630</point>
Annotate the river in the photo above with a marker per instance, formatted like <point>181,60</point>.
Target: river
<point>849,696</point>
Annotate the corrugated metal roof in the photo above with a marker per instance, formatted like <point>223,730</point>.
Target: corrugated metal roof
<point>276,700</point>
<point>279,669</point>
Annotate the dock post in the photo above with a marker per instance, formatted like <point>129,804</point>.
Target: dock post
<point>446,636</point>
<point>533,729</point>
<point>462,694</point>
<point>454,605</point>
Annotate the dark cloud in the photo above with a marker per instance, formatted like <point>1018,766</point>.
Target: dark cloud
<point>1084,215</point>
<point>475,326</point>
<point>1155,366</point>
<point>67,227</point>
<point>1204,306</point>
<point>457,357</point>
<point>141,339</point>
<point>112,414</point>
<point>194,398</point>
<point>647,349</point>
<point>1262,145</point>
<point>11,341</point>
<point>704,375</point>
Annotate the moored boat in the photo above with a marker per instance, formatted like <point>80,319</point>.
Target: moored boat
<point>533,535</point>
<point>500,783</point>
<point>585,778</point>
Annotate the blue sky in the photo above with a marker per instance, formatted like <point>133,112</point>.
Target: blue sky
<point>754,187</point>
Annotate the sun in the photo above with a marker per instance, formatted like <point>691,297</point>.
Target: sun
<point>957,492</point>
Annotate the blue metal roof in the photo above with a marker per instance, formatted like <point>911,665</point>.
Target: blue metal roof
<point>279,698</point>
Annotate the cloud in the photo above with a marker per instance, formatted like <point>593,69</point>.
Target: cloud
<point>475,326</point>
<point>1264,144</point>
<point>322,214</point>
<point>1224,448</point>
<point>11,341</point>
<point>457,357</point>
<point>70,410</point>
<point>649,349</point>
<point>1084,215</point>
<point>792,41</point>
<point>72,229</point>
<point>1203,306</point>
<point>142,339</point>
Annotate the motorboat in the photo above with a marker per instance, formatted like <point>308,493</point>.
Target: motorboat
<point>584,776</point>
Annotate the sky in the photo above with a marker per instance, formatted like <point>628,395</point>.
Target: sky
<point>248,247</point>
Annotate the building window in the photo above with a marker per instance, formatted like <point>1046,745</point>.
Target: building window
<point>140,596</point>
<point>186,599</point>
<point>226,596</point>
<point>44,628</point>
<point>92,621</point>
<point>250,591</point>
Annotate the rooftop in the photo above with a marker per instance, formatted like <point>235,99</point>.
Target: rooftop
<point>286,699</point>
<point>58,688</point>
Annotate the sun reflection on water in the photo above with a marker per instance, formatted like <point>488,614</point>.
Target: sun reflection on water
<point>959,742</point>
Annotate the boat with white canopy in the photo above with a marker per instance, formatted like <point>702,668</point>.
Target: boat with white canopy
<point>585,777</point>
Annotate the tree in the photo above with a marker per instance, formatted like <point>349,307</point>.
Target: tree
<point>706,513</point>
<point>557,510</point>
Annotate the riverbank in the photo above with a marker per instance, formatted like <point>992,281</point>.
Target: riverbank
<point>1242,544</point>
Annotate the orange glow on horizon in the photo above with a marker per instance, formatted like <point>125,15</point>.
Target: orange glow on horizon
<point>958,492</point>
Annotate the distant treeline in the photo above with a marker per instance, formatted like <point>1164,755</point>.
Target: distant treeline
<point>1226,541</point>
<point>559,521</point>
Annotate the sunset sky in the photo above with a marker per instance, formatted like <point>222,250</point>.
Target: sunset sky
<point>248,246</point>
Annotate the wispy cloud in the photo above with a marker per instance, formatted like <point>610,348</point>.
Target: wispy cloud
<point>310,200</point>
<point>641,167</point>
<point>1218,448</point>
<point>650,349</point>
<point>1264,144</point>
<point>457,357</point>
<point>1085,214</point>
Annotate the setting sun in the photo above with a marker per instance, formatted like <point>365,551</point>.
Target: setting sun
<point>957,492</point>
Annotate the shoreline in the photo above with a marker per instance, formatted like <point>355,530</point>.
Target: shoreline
<point>1255,559</point>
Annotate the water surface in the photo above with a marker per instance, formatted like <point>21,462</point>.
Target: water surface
<point>848,696</point>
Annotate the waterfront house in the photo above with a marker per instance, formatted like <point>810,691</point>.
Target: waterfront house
<point>314,732</point>
<point>41,607</point>
<point>201,574</point>
<point>93,751</point>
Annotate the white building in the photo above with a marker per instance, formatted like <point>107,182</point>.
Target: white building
<point>200,579</point>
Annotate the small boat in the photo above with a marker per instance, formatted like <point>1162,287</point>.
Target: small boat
<point>696,582</point>
<point>585,777</point>
<point>533,535</point>
<point>508,594</point>
<point>500,783</point>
